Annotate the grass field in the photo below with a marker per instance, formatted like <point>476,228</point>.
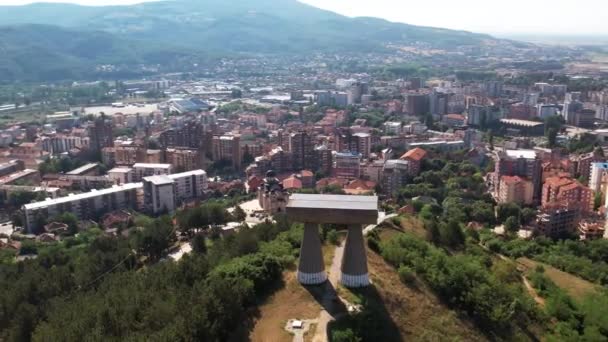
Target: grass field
<point>576,287</point>
<point>292,301</point>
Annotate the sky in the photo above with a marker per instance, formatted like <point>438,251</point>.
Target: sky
<point>543,17</point>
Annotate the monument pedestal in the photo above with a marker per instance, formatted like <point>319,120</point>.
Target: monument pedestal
<point>354,261</point>
<point>311,270</point>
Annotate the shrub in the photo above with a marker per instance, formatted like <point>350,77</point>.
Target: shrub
<point>406,275</point>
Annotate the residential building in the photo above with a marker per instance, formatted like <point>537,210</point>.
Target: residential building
<point>228,147</point>
<point>557,221</point>
<point>414,158</point>
<point>89,205</point>
<point>522,163</point>
<point>182,159</point>
<point>302,149</point>
<point>90,169</point>
<point>584,118</point>
<point>515,189</point>
<point>141,170</point>
<point>567,191</point>
<point>392,127</point>
<point>346,165</point>
<point>438,103</point>
<point>417,104</point>
<point>121,175</point>
<point>454,120</point>
<point>394,175</point>
<point>162,194</point>
<point>100,133</point>
<point>599,177</point>
<point>11,167</point>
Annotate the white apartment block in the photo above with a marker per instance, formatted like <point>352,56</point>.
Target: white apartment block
<point>164,193</point>
<point>89,205</point>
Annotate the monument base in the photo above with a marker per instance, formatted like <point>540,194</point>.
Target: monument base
<point>361,280</point>
<point>312,278</point>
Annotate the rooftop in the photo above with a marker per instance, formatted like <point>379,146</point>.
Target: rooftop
<point>83,169</point>
<point>159,180</point>
<point>519,122</point>
<point>526,154</point>
<point>91,194</point>
<point>151,166</point>
<point>414,154</point>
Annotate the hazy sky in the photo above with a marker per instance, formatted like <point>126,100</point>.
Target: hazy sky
<point>565,17</point>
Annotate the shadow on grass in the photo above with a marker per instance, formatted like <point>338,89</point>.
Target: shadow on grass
<point>373,323</point>
<point>327,296</point>
<point>242,331</point>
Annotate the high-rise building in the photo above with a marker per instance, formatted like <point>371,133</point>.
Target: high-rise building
<point>228,147</point>
<point>438,103</point>
<point>493,88</point>
<point>100,134</point>
<point>584,118</point>
<point>394,175</point>
<point>162,194</point>
<point>522,163</point>
<point>324,158</point>
<point>417,104</point>
<point>302,149</point>
<point>346,165</point>
<point>599,177</point>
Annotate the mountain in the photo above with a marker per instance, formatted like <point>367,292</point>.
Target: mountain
<point>86,36</point>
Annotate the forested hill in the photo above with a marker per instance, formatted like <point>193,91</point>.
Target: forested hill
<point>77,39</point>
<point>242,25</point>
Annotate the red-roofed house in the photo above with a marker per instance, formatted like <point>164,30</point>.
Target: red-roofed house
<point>292,183</point>
<point>415,157</point>
<point>359,186</point>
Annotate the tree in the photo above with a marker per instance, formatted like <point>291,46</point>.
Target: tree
<point>428,121</point>
<point>199,244</point>
<point>528,215</point>
<point>505,210</point>
<point>155,238</point>
<point>332,237</point>
<point>346,335</point>
<point>512,224</point>
<point>597,200</point>
<point>551,135</point>
<point>239,214</point>
<point>451,234</point>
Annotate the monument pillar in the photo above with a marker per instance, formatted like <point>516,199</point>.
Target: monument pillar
<point>311,270</point>
<point>354,261</point>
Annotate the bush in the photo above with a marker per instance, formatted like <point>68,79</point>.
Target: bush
<point>406,275</point>
<point>333,238</point>
<point>374,244</point>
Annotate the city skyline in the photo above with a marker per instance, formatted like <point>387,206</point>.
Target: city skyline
<point>519,18</point>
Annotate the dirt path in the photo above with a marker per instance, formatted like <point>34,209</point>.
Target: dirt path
<point>329,296</point>
<point>538,299</point>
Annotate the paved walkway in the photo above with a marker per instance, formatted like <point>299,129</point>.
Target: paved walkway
<point>381,218</point>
